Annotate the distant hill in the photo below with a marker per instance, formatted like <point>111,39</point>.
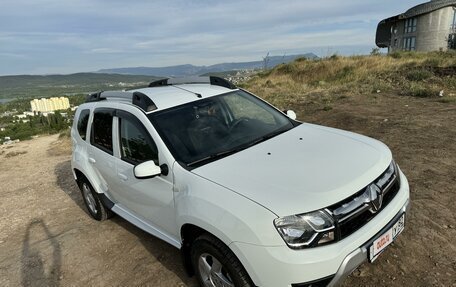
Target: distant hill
<point>29,86</point>
<point>191,70</point>
<point>34,86</point>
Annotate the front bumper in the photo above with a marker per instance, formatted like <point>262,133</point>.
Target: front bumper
<point>360,255</point>
<point>281,266</point>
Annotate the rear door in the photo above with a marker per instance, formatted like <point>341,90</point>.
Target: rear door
<point>100,151</point>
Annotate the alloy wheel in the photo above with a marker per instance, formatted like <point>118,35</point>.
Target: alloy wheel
<point>212,272</point>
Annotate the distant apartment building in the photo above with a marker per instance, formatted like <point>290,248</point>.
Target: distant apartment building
<point>430,26</point>
<point>49,105</point>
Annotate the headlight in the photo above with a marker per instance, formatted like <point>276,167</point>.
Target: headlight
<point>385,178</point>
<point>306,230</point>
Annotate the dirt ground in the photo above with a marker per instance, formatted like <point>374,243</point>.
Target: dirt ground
<point>47,238</point>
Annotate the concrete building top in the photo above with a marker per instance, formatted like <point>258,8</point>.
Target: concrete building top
<point>421,9</point>
<point>383,29</point>
<point>427,8</point>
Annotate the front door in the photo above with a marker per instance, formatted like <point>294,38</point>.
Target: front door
<point>149,199</point>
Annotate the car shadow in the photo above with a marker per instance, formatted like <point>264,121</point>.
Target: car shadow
<point>36,268</point>
<point>167,255</point>
<point>67,184</point>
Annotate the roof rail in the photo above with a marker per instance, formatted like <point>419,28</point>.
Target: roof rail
<point>213,80</point>
<point>103,95</point>
<point>136,98</point>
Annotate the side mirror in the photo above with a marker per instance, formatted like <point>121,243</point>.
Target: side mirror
<point>291,114</point>
<point>147,169</point>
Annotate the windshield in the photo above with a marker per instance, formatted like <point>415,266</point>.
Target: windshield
<point>204,130</point>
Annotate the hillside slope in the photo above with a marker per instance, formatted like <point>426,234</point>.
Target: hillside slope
<point>323,81</point>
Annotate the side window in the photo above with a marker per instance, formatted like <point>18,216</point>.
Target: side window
<point>136,145</point>
<point>82,123</point>
<point>102,130</point>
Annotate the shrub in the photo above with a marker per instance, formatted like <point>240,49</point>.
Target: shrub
<point>395,55</point>
<point>301,59</point>
<point>418,75</point>
<point>421,91</point>
<point>344,73</point>
<point>433,62</point>
<point>375,52</point>
<point>327,108</point>
<point>286,69</point>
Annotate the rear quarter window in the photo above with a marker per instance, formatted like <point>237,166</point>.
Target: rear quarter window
<point>82,123</point>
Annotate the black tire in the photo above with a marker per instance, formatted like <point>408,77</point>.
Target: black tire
<point>208,248</point>
<point>92,201</point>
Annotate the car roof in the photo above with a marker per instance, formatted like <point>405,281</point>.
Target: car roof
<point>165,97</point>
<point>167,93</point>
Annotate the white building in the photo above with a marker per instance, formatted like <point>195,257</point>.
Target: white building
<point>49,105</point>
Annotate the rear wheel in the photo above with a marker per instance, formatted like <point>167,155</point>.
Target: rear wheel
<point>92,201</point>
<point>216,265</point>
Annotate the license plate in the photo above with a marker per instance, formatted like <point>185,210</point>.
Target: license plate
<point>379,245</point>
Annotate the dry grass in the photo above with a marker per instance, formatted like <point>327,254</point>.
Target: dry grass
<point>326,80</point>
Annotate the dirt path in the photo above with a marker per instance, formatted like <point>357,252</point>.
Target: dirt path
<point>47,239</point>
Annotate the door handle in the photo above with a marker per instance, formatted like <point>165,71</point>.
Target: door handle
<point>92,160</point>
<point>122,176</point>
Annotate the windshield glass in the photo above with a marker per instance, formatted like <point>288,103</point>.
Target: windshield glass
<point>204,130</point>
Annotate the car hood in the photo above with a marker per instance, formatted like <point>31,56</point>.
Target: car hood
<point>304,169</point>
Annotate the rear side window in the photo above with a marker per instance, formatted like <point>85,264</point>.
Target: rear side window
<point>102,130</point>
<point>136,145</point>
<point>82,123</point>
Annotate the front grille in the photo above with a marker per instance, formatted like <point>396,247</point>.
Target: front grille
<point>356,211</point>
<point>350,226</point>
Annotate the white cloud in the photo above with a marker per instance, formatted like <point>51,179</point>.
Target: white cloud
<point>84,35</point>
<point>13,55</point>
<point>105,51</point>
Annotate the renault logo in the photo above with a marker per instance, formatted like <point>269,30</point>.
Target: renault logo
<point>375,197</point>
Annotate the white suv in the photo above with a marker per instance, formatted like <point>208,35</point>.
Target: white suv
<point>250,196</point>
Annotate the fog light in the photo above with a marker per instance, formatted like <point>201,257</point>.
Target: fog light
<point>327,237</point>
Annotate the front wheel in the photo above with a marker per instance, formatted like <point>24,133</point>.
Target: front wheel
<point>216,265</point>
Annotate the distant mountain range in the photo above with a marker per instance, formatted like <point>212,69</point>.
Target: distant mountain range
<point>191,70</point>
<point>34,86</point>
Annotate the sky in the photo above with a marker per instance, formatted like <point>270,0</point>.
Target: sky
<point>63,36</point>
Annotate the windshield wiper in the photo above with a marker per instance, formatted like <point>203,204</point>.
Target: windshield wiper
<point>268,136</point>
<point>236,149</point>
<point>214,156</point>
